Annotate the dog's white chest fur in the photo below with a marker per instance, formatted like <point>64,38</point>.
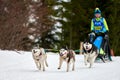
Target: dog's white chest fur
<point>90,58</point>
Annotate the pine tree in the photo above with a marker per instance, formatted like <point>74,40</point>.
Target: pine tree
<point>79,13</point>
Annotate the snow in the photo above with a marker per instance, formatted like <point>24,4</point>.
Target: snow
<point>14,66</point>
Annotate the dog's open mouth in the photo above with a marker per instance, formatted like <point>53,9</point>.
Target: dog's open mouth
<point>87,48</point>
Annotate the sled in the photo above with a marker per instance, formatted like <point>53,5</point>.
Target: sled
<point>98,41</point>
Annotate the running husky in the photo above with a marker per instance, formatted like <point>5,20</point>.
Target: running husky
<point>40,58</point>
<point>90,53</point>
<point>68,56</point>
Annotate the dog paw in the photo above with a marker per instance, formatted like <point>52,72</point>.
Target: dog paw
<point>73,69</point>
<point>67,71</point>
<point>85,64</point>
<point>39,68</point>
<point>46,65</point>
<point>58,68</point>
<point>89,66</point>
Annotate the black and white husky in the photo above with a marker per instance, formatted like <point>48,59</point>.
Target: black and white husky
<point>90,53</point>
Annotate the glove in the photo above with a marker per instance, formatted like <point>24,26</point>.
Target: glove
<point>91,34</point>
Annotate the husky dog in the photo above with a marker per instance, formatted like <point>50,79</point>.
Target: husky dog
<point>90,53</point>
<point>40,58</point>
<point>68,56</point>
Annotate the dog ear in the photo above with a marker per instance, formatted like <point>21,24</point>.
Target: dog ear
<point>66,47</point>
<point>84,40</point>
<point>33,51</point>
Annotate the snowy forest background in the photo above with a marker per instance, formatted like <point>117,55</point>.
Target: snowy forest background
<point>54,23</point>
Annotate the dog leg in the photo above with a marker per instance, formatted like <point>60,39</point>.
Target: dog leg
<point>68,66</point>
<point>46,63</point>
<point>91,62</point>
<point>90,65</point>
<point>73,68</point>
<point>60,63</point>
<point>37,64</point>
<point>85,59</point>
<point>42,63</point>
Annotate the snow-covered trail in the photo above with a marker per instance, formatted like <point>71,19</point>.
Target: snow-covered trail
<point>14,66</point>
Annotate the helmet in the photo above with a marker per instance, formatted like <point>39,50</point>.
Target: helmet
<point>97,11</point>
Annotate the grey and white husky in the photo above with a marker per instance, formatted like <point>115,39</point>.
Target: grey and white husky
<point>68,56</point>
<point>90,53</point>
<point>40,58</point>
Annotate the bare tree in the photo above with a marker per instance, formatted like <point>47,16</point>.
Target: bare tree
<point>19,19</point>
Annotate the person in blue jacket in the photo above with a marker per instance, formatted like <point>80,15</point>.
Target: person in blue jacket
<point>100,28</point>
<point>99,24</point>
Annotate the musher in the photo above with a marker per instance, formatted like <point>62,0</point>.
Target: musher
<point>99,27</point>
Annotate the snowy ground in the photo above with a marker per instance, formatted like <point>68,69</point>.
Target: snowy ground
<point>14,66</point>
